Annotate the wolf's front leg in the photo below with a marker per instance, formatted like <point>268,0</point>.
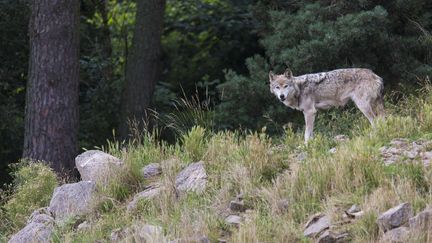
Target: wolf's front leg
<point>309,120</point>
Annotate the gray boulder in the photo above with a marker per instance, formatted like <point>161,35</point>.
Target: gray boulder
<point>148,233</point>
<point>395,217</point>
<point>422,221</point>
<point>317,224</point>
<point>38,229</point>
<point>192,178</point>
<point>237,206</point>
<point>97,166</point>
<point>151,170</point>
<point>71,200</point>
<point>397,235</point>
<point>149,192</point>
<point>332,237</point>
<point>233,220</point>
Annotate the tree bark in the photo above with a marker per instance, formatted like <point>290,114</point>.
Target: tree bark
<point>51,119</point>
<point>142,64</point>
<point>106,40</point>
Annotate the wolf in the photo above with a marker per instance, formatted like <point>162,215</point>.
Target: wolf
<point>311,92</point>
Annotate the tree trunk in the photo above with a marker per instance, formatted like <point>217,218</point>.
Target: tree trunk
<point>51,119</point>
<point>142,64</point>
<point>106,40</point>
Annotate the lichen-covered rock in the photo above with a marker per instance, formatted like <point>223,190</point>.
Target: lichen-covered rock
<point>84,226</point>
<point>402,150</point>
<point>38,229</point>
<point>237,206</point>
<point>149,192</point>
<point>395,217</point>
<point>233,220</point>
<point>97,166</point>
<point>422,221</point>
<point>192,178</point>
<point>397,235</point>
<point>317,224</point>
<point>332,237</point>
<point>148,233</point>
<point>73,199</point>
<point>151,170</point>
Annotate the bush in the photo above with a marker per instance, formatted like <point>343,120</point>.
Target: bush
<point>33,187</point>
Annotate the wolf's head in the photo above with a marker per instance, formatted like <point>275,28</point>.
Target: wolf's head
<point>283,86</point>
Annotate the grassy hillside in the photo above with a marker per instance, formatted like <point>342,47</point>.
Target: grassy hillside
<point>280,190</point>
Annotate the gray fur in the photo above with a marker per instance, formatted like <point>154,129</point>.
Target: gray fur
<point>311,92</point>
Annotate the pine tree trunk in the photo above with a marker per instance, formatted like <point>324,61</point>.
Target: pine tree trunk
<point>106,40</point>
<point>142,63</point>
<point>51,119</point>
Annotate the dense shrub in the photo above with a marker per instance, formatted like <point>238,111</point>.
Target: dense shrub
<point>33,187</point>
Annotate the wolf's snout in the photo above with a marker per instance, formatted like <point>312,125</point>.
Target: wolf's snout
<point>282,97</point>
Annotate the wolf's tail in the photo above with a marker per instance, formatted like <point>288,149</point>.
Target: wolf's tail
<point>379,102</point>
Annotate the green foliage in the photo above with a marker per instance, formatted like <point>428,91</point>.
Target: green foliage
<point>202,38</point>
<point>194,143</point>
<point>34,184</point>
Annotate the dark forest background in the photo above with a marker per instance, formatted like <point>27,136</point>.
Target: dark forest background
<point>214,60</point>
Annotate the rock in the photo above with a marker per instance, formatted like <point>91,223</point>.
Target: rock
<point>97,166</point>
<point>301,156</point>
<point>149,233</point>
<point>353,209</point>
<point>341,138</point>
<point>397,235</point>
<point>410,154</point>
<point>395,217</point>
<point>240,197</point>
<point>237,206</point>
<point>40,215</point>
<point>192,178</point>
<point>151,170</point>
<point>149,192</point>
<point>332,237</point>
<point>332,150</point>
<point>426,157</point>
<point>353,212</point>
<point>202,239</point>
<point>233,220</point>
<point>399,142</point>
<point>38,229</point>
<point>71,200</point>
<point>422,221</point>
<point>84,226</point>
<point>119,234</point>
<point>316,225</point>
<point>401,150</point>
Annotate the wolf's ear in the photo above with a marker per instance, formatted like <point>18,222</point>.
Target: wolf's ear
<point>271,76</point>
<point>288,73</point>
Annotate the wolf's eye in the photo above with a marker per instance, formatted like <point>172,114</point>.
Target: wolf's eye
<point>285,86</point>
<point>277,87</point>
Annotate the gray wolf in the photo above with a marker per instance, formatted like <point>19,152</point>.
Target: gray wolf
<point>311,92</point>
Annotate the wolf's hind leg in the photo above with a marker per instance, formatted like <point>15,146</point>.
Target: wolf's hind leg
<point>366,108</point>
<point>379,107</point>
